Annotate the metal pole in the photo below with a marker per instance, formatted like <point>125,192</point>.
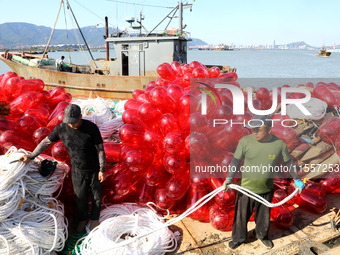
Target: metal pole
<point>55,23</point>
<point>140,18</point>
<point>180,17</point>
<point>107,35</point>
<point>162,20</point>
<point>69,6</point>
<point>173,15</point>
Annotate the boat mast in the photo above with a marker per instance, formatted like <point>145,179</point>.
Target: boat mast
<point>69,6</point>
<point>180,16</point>
<point>55,23</point>
<point>106,36</point>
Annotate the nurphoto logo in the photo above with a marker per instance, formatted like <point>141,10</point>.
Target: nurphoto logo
<point>239,103</point>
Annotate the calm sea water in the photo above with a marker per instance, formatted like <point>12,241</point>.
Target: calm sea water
<point>273,63</point>
<point>268,64</point>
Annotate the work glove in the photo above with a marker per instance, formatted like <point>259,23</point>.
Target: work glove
<point>299,184</point>
<point>226,184</point>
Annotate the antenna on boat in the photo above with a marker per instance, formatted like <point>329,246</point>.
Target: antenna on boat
<point>139,21</point>
<point>132,20</point>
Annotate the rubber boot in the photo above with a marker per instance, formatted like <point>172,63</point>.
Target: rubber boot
<point>94,223</point>
<point>81,226</point>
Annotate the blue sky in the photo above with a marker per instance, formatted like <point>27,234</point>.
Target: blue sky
<point>214,21</point>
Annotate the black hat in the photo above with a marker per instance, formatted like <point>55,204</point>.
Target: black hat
<point>259,120</point>
<point>47,167</point>
<point>72,114</point>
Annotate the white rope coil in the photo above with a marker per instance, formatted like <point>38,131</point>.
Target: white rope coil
<point>118,210</point>
<point>108,128</point>
<point>119,106</point>
<point>315,106</point>
<point>6,243</point>
<point>95,110</point>
<point>123,222</point>
<point>31,220</point>
<point>39,185</point>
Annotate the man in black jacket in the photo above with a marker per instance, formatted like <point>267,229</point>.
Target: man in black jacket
<point>84,144</point>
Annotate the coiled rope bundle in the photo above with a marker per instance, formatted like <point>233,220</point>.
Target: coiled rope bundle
<point>31,220</point>
<point>124,222</point>
<point>96,110</point>
<point>119,106</point>
<point>99,112</point>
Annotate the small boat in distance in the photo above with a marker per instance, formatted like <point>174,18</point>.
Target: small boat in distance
<point>323,52</point>
<point>222,47</point>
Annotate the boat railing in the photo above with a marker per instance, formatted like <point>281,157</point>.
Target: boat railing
<point>160,33</point>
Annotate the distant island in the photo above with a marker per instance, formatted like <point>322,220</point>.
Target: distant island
<point>290,46</point>
<point>19,35</point>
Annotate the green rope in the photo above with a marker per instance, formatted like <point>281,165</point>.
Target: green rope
<point>70,244</point>
<point>114,107</point>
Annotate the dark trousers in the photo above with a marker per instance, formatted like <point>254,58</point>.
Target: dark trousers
<point>244,209</point>
<point>83,182</point>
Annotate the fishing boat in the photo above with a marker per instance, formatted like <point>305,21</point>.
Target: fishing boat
<point>137,57</point>
<point>222,47</point>
<point>323,52</point>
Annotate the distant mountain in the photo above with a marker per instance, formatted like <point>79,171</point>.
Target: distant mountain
<point>25,35</point>
<point>300,45</point>
<point>18,34</point>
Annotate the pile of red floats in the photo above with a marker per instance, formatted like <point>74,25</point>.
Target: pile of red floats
<point>34,111</point>
<point>160,134</point>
